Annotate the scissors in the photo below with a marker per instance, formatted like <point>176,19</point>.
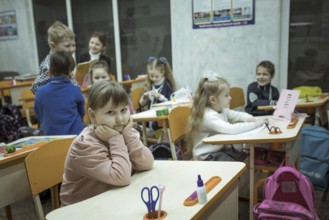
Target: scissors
<point>150,202</point>
<point>275,130</point>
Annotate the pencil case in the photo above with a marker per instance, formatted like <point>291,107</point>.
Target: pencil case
<point>210,184</point>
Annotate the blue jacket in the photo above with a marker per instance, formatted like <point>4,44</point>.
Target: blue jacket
<point>59,107</point>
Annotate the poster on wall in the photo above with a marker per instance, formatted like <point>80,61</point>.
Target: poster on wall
<point>222,13</point>
<point>8,25</point>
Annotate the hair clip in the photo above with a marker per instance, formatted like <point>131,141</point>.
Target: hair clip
<point>150,59</point>
<point>163,60</point>
<point>210,75</point>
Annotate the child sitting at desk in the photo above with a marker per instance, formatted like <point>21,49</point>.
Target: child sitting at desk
<point>59,105</point>
<point>160,84</point>
<point>211,115</point>
<point>261,92</point>
<point>99,71</point>
<point>107,152</point>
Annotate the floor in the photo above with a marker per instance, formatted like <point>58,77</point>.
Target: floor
<point>24,210</point>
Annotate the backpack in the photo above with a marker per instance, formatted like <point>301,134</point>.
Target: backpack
<point>315,156</point>
<point>162,151</point>
<point>288,194</point>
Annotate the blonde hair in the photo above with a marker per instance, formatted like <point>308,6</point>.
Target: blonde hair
<point>58,31</point>
<point>162,66</point>
<point>206,88</point>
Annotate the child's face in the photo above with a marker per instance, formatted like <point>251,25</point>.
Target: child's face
<point>95,46</point>
<point>116,118</point>
<point>263,76</point>
<point>67,45</point>
<point>222,100</point>
<point>100,74</point>
<point>155,76</point>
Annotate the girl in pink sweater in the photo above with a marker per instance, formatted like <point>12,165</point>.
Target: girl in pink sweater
<point>107,152</point>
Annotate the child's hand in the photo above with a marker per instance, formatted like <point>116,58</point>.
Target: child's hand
<point>129,123</point>
<point>105,132</point>
<point>146,96</point>
<point>155,94</point>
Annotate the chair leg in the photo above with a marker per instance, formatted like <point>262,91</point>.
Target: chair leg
<point>38,207</point>
<point>8,212</point>
<point>55,197</point>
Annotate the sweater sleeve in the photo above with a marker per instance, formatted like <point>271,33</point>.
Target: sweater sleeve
<point>140,156</point>
<point>217,124</point>
<point>100,163</point>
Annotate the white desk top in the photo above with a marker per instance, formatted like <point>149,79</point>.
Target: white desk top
<point>262,137</point>
<point>179,177</point>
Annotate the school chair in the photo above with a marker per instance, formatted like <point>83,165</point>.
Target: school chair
<point>45,169</point>
<point>136,94</point>
<point>237,98</point>
<point>28,104</point>
<point>178,125</point>
<point>82,69</point>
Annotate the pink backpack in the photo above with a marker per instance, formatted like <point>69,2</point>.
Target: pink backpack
<point>288,194</point>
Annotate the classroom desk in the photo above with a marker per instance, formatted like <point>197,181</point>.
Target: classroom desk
<point>14,184</point>
<point>15,90</point>
<point>133,83</point>
<point>148,116</point>
<point>288,136</point>
<point>318,103</point>
<point>179,178</point>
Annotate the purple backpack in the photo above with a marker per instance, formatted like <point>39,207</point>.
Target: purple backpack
<point>288,194</point>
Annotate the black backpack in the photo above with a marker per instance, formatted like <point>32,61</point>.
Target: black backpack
<point>161,151</point>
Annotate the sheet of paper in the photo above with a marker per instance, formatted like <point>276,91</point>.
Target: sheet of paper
<point>286,104</point>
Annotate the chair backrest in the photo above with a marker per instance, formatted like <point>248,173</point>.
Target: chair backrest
<point>136,94</point>
<point>237,96</point>
<point>178,121</point>
<point>82,69</point>
<point>45,165</point>
<point>28,104</point>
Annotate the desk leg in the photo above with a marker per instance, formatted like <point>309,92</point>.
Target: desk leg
<point>171,142</point>
<point>144,133</point>
<point>251,180</point>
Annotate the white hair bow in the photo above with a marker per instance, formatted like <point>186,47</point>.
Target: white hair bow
<point>210,75</point>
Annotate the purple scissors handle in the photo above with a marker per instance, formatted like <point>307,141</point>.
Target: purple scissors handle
<point>150,202</point>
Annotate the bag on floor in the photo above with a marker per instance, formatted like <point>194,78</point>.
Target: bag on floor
<point>162,151</point>
<point>288,194</point>
<point>315,156</point>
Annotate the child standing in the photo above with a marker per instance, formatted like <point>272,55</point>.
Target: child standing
<point>60,38</point>
<point>211,115</point>
<point>107,152</point>
<point>97,47</point>
<point>59,105</point>
<point>261,92</point>
<point>160,84</point>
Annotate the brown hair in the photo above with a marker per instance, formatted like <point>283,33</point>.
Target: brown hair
<point>61,63</point>
<point>102,38</point>
<point>99,65</point>
<point>104,91</point>
<point>268,65</point>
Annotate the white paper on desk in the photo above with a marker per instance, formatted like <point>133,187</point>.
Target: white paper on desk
<point>253,131</point>
<point>286,104</point>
